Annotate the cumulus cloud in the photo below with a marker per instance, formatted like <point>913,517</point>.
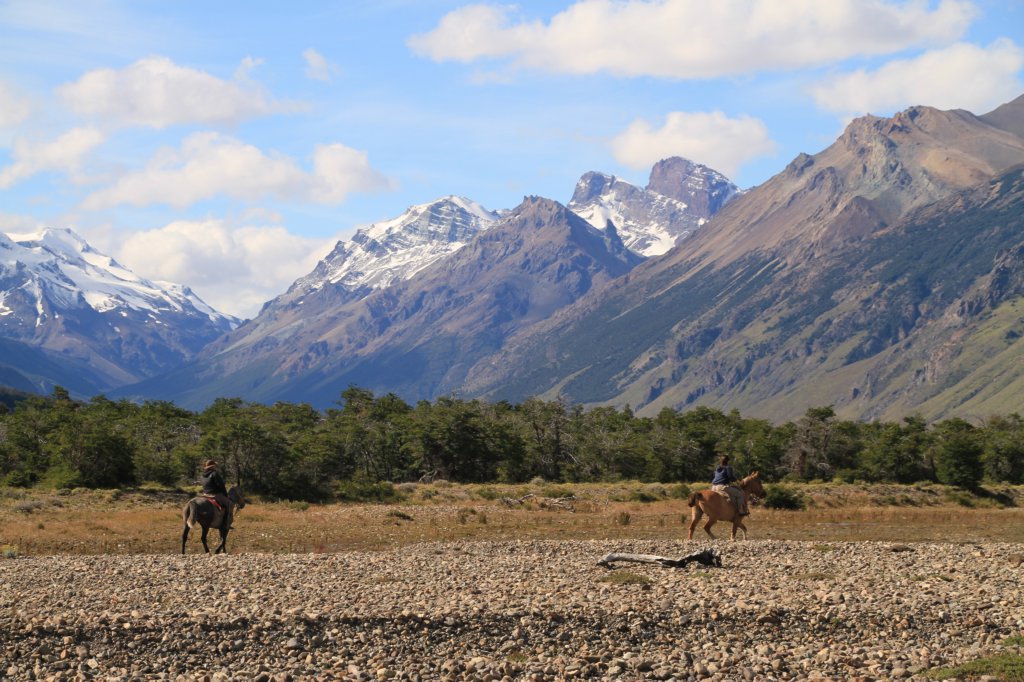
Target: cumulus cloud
<point>14,107</point>
<point>65,153</point>
<point>233,268</point>
<point>711,138</point>
<point>962,76</point>
<point>211,164</point>
<point>691,38</point>
<point>158,93</point>
<point>318,68</point>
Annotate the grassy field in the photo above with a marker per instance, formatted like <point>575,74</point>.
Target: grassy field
<point>148,520</point>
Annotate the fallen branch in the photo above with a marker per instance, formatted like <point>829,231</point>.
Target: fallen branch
<point>707,557</point>
<point>566,503</point>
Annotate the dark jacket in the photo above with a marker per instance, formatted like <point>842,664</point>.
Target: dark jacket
<point>724,475</point>
<point>213,483</point>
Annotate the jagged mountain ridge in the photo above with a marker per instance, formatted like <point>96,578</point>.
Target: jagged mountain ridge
<point>418,336</point>
<point>736,316</point>
<point>74,308</point>
<point>396,249</point>
<point>679,198</point>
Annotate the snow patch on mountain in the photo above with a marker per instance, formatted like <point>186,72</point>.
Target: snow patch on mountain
<point>395,250</point>
<point>59,267</point>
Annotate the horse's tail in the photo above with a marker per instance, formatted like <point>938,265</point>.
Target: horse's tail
<point>692,501</point>
<point>191,513</point>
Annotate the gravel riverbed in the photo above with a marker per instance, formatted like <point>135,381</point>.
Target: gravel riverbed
<point>513,610</point>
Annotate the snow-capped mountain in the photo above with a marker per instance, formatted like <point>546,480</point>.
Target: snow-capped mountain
<point>60,295</point>
<point>679,198</point>
<point>396,249</point>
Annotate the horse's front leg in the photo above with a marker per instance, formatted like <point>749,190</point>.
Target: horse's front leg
<point>694,520</point>
<point>738,525</point>
<point>707,527</point>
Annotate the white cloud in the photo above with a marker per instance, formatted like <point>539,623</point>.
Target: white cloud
<point>711,138</point>
<point>10,222</point>
<point>158,93</point>
<point>962,76</point>
<point>234,269</point>
<point>318,68</point>
<point>65,153</point>
<point>210,164</point>
<point>692,38</point>
<point>14,107</point>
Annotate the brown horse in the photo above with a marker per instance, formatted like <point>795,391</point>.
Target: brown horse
<point>720,508</point>
<point>203,511</point>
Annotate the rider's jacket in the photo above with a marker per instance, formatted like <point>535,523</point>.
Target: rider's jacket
<point>213,483</point>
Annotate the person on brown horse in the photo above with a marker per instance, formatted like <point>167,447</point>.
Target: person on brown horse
<point>214,487</point>
<point>722,483</point>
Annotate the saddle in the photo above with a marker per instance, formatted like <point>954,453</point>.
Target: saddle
<point>213,500</point>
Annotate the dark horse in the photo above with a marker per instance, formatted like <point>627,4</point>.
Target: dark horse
<point>203,511</point>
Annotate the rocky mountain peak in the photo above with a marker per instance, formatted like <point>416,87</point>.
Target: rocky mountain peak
<point>701,188</point>
<point>679,199</point>
<point>394,250</point>
<point>591,186</point>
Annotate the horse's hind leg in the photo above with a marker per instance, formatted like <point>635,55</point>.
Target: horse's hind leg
<point>206,547</point>
<point>694,519</point>
<point>222,547</point>
<point>184,537</point>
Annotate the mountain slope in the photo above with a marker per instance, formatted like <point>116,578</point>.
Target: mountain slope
<point>418,336</point>
<point>679,198</point>
<point>787,298</point>
<point>84,313</point>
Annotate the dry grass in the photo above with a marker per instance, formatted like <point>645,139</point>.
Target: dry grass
<point>93,522</point>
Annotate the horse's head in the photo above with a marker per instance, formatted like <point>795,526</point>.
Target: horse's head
<point>236,497</point>
<point>752,485</point>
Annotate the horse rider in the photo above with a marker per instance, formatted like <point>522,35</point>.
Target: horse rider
<point>214,486</point>
<point>722,483</point>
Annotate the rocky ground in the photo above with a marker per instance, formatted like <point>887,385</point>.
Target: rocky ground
<point>540,610</point>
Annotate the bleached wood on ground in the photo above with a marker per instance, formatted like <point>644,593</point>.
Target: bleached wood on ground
<point>611,558</point>
<point>707,557</point>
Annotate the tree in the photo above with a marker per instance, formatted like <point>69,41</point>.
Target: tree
<point>957,453</point>
<point>821,445</point>
<point>1003,457</point>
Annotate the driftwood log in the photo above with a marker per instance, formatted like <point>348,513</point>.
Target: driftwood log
<point>567,503</point>
<point>707,557</point>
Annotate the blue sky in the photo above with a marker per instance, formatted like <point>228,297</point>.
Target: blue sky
<point>228,145</point>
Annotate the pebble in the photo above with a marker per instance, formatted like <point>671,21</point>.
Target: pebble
<point>531,610</point>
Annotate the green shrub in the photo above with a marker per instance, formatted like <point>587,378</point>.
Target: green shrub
<point>643,496</point>
<point>679,492</point>
<point>783,497</point>
<point>488,493</point>
<point>9,552</point>
<point>363,491</point>
<point>847,476</point>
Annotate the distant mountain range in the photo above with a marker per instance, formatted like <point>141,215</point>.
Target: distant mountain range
<point>877,276</point>
<point>72,315</point>
<point>881,275</point>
